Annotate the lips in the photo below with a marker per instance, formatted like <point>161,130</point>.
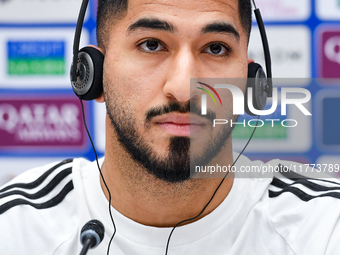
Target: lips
<point>179,124</point>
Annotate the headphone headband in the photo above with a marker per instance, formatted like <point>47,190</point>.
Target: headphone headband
<point>74,70</point>
<point>267,58</point>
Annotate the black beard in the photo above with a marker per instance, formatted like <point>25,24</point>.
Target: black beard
<point>175,166</point>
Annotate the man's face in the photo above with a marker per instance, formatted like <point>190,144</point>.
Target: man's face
<point>149,59</point>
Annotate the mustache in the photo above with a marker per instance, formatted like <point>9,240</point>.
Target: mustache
<point>191,107</point>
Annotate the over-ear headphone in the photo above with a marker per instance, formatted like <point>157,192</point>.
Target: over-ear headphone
<point>262,86</point>
<point>87,65</point>
<point>87,68</point>
<point>89,82</point>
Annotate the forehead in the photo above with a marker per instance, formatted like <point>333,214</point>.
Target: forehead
<point>188,5</point>
<point>194,13</point>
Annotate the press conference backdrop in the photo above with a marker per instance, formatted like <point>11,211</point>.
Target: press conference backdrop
<point>40,117</point>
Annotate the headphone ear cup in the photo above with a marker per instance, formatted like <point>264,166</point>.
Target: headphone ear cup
<point>257,80</point>
<point>89,83</point>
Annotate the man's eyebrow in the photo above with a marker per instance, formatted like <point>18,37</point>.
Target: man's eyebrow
<point>151,23</point>
<point>221,27</point>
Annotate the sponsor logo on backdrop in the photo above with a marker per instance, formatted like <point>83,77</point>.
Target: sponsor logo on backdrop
<point>22,11</point>
<point>330,54</point>
<point>280,56</point>
<point>328,120</point>
<point>331,121</point>
<point>291,58</point>
<point>273,128</point>
<point>282,10</point>
<point>40,123</point>
<point>36,58</point>
<point>328,9</point>
<point>276,133</point>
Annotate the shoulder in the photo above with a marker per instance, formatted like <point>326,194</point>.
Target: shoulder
<point>302,209</point>
<point>303,182</point>
<point>51,182</point>
<point>38,204</point>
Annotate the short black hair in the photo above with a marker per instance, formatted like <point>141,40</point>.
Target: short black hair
<point>110,11</point>
<point>245,12</point>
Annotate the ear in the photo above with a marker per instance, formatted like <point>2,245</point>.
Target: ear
<point>96,47</point>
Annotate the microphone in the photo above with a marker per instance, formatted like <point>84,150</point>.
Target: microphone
<point>91,235</point>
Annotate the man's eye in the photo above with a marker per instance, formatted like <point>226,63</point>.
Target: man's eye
<point>151,46</point>
<point>217,49</point>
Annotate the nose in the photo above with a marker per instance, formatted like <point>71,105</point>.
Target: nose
<point>181,68</point>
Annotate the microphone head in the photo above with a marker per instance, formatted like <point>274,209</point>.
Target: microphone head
<point>93,229</point>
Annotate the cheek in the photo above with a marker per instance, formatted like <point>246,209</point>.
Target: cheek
<point>133,85</point>
<point>241,67</point>
<point>234,67</point>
